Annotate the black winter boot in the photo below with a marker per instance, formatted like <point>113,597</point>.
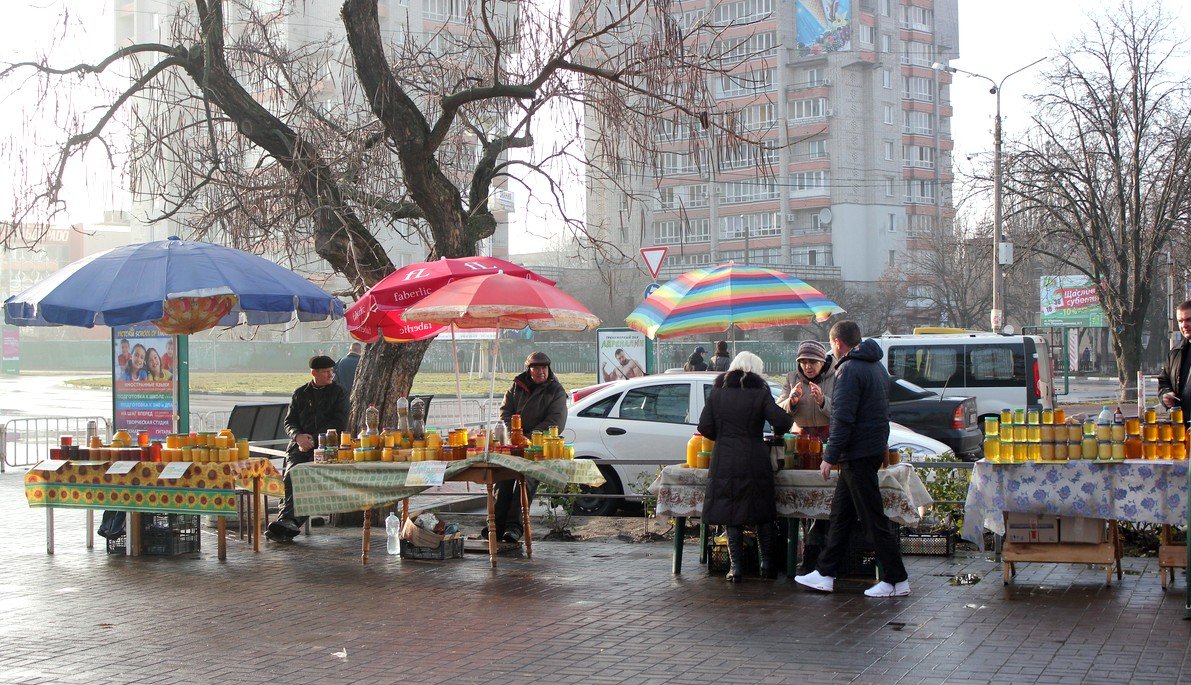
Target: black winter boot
<point>765,549</point>
<point>735,554</point>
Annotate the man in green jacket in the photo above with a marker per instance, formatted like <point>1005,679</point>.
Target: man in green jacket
<point>541,401</point>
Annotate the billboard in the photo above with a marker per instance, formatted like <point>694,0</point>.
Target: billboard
<point>144,385</point>
<point>1070,301</point>
<point>622,354</point>
<point>823,26</point>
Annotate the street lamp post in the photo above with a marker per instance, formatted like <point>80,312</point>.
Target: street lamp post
<point>997,315</point>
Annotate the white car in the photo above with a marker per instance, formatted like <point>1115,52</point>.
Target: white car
<point>652,417</point>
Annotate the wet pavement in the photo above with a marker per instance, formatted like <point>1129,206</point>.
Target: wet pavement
<point>576,613</point>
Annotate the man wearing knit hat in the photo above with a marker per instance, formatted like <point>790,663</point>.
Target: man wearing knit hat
<point>314,408</point>
<point>540,400</point>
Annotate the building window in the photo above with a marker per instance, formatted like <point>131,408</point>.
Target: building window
<point>812,255</point>
<point>886,8</point>
<point>886,43</point>
<point>809,183</point>
<point>868,34</point>
<point>918,88</point>
<point>893,258</point>
<point>886,78</point>
<point>747,83</point>
<point>888,114</point>
<point>889,150</point>
<point>816,149</point>
<point>814,77</point>
<point>810,108</point>
<point>889,187</point>
<point>892,223</point>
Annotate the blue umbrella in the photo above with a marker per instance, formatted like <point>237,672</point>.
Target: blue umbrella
<point>130,284</point>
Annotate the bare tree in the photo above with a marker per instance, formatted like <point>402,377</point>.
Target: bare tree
<point>1105,172</point>
<point>952,264</point>
<point>271,145</point>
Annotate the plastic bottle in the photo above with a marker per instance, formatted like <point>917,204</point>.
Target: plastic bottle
<point>392,534</point>
<point>1104,424</point>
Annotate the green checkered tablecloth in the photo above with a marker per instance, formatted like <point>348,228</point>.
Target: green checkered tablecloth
<point>340,488</point>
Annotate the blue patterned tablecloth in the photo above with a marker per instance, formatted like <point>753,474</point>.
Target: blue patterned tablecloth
<point>1144,491</point>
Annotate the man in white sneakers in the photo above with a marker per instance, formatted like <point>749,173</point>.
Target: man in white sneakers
<point>857,444</point>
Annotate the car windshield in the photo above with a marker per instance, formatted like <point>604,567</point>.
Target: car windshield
<point>901,389</point>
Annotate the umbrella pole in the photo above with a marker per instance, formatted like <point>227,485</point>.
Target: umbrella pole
<point>458,387</point>
<point>183,382</point>
<point>492,387</point>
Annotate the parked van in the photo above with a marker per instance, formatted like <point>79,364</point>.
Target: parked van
<point>1000,371</point>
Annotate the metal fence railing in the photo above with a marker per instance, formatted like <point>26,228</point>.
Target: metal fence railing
<point>26,441</point>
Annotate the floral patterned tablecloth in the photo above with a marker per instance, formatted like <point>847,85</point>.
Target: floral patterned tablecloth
<point>342,488</point>
<point>1144,491</point>
<point>800,494</point>
<point>206,487</point>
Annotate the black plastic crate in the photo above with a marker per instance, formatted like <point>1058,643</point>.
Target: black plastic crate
<point>117,545</point>
<point>860,559</point>
<point>169,534</point>
<point>447,549</point>
<point>938,543</point>
<point>718,560</point>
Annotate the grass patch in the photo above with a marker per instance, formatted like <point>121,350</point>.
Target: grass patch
<point>284,383</point>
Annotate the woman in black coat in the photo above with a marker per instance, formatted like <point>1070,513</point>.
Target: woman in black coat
<point>740,484</point>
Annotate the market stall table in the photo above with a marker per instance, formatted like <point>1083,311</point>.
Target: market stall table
<point>334,488</point>
<point>1142,491</point>
<point>800,494</point>
<point>205,488</point>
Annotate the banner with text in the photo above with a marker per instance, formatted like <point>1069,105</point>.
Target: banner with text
<point>1070,301</point>
<point>622,354</point>
<point>144,387</point>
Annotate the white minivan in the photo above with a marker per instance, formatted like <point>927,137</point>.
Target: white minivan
<point>1000,371</point>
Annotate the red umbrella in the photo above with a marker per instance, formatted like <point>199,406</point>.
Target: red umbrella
<point>378,312</point>
<point>502,301</point>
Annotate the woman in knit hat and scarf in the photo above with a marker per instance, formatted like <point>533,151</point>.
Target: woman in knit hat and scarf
<point>807,397</point>
<point>807,392</point>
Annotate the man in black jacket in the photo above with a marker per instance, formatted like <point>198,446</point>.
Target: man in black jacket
<point>857,445</point>
<point>314,408</point>
<point>1173,388</point>
<point>540,400</point>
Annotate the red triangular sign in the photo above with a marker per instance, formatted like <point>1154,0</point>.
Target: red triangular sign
<point>653,258</point>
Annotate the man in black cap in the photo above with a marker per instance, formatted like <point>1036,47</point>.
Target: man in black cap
<point>695,361</point>
<point>314,408</point>
<point>541,401</point>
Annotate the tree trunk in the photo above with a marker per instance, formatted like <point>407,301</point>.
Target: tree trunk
<point>386,372</point>
<point>1126,348</point>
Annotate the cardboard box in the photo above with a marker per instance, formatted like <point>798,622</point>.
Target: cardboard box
<point>418,536</point>
<point>1031,528</point>
<point>1083,529</point>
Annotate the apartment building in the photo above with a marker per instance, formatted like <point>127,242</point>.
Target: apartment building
<point>315,31</point>
<point>855,160</point>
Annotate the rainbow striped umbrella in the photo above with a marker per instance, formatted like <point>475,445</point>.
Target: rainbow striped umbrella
<point>710,300</point>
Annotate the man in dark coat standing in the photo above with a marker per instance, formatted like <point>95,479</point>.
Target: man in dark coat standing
<point>1173,388</point>
<point>858,442</point>
<point>541,401</point>
<point>345,369</point>
<point>740,488</point>
<point>314,408</point>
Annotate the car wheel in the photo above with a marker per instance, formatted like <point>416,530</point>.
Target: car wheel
<point>600,506</point>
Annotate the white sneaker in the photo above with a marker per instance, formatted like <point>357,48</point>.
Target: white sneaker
<point>818,582</point>
<point>883,589</point>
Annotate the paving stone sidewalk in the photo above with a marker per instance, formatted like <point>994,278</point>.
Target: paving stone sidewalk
<point>576,613</point>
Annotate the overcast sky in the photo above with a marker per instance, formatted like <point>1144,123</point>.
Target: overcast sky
<point>995,39</point>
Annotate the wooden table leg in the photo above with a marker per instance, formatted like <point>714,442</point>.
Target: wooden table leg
<point>221,527</point>
<point>257,513</point>
<point>679,534</point>
<point>90,529</point>
<point>793,526</point>
<point>49,530</point>
<point>367,536</point>
<point>132,529</point>
<point>491,525</point>
<point>702,542</point>
<point>525,517</point>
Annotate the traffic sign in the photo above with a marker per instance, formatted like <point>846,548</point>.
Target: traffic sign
<point>653,258</point>
<point>650,288</point>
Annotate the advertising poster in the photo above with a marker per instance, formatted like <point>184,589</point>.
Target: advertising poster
<point>12,350</point>
<point>144,392</point>
<point>823,26</point>
<point>1070,301</point>
<point>622,354</point>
